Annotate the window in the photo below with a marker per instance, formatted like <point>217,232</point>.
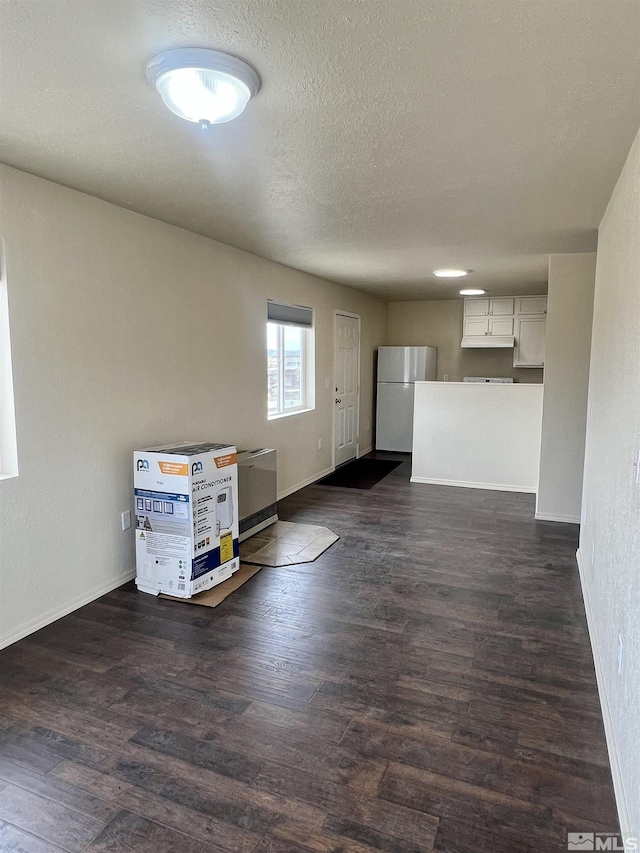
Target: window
<point>290,362</point>
<point>8,447</point>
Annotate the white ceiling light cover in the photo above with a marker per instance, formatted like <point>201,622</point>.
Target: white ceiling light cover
<point>203,86</point>
<point>450,273</point>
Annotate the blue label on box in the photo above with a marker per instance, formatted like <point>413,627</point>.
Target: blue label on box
<point>211,560</point>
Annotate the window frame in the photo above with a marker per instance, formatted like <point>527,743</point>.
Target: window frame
<point>307,368</point>
<point>8,440</point>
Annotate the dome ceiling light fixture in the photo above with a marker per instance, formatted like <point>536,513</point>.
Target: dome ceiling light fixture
<point>203,86</point>
<point>450,273</point>
<point>472,291</point>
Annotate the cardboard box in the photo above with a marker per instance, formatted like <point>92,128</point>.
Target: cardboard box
<point>186,509</point>
<point>214,597</point>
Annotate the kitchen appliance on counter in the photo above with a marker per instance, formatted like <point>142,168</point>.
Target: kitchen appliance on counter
<point>257,490</point>
<point>398,369</point>
<point>498,380</point>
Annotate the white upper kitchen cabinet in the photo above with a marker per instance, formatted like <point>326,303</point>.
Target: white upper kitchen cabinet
<point>484,307</point>
<point>531,305</point>
<point>530,338</point>
<point>489,325</point>
<point>521,318</point>
<point>486,316</point>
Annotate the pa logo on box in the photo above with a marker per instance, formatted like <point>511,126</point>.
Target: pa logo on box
<point>581,841</point>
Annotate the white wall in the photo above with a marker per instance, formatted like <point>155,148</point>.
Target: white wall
<point>475,435</point>
<point>611,497</point>
<point>566,383</point>
<point>438,323</point>
<point>129,332</point>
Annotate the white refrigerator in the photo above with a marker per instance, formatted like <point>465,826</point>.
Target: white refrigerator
<point>398,369</point>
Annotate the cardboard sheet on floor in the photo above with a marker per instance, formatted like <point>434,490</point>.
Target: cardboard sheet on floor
<point>215,596</point>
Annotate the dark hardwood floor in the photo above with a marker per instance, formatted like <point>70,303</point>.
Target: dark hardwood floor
<point>427,684</point>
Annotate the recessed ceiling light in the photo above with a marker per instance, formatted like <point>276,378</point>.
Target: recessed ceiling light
<point>451,273</point>
<point>472,291</point>
<point>203,86</point>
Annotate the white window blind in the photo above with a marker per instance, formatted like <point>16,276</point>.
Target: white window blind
<point>289,315</point>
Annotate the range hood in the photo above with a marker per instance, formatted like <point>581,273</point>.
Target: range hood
<point>486,341</point>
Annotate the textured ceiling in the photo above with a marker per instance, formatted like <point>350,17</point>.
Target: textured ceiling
<point>390,137</point>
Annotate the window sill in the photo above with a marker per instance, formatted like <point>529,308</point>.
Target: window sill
<point>7,476</point>
<point>290,414</point>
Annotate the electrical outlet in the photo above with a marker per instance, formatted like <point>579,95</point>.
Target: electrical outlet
<point>319,444</point>
<point>620,651</point>
<point>445,378</point>
<point>126,519</point>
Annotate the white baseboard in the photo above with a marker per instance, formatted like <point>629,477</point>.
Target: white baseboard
<point>316,477</point>
<point>306,482</point>
<point>57,613</point>
<point>616,773</point>
<point>565,519</point>
<point>494,487</point>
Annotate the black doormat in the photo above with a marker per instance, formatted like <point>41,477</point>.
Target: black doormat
<point>361,474</point>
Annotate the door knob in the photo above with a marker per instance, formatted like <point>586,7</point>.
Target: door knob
<point>338,401</point>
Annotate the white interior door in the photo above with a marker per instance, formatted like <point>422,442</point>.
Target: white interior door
<point>347,385</point>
